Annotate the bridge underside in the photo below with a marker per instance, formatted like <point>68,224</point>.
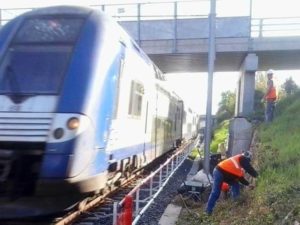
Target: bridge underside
<point>197,62</point>
<point>191,55</point>
<point>226,61</point>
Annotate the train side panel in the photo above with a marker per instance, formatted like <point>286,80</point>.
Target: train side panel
<point>130,133</point>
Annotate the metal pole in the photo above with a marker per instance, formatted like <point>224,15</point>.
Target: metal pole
<point>139,23</point>
<point>250,9</point>
<point>250,43</point>
<point>211,59</point>
<point>175,28</point>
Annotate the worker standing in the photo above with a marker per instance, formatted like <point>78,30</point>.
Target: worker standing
<point>231,171</point>
<point>270,97</point>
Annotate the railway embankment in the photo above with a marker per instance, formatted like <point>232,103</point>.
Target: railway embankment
<point>276,196</point>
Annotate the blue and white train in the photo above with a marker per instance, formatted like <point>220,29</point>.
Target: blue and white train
<point>80,102</point>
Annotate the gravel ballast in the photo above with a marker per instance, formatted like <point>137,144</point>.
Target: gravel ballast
<point>157,208</point>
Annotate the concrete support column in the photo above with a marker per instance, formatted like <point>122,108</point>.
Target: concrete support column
<point>246,86</point>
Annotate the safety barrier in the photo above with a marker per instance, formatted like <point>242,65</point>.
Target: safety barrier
<point>126,214</point>
<point>129,210</point>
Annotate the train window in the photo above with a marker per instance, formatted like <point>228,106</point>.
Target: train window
<point>24,71</point>
<point>136,99</point>
<point>49,30</point>
<point>38,57</point>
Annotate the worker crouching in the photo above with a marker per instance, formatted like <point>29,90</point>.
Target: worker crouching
<point>231,171</point>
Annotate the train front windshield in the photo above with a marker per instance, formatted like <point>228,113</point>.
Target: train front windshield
<point>38,57</point>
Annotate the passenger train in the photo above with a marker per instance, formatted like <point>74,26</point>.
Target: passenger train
<point>80,103</point>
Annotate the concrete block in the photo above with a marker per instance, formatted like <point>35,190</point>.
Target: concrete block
<point>170,215</point>
<point>240,135</point>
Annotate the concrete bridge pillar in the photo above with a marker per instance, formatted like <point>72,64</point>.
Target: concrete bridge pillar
<point>246,86</point>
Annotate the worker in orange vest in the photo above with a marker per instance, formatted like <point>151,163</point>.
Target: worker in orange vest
<point>270,97</point>
<point>231,171</point>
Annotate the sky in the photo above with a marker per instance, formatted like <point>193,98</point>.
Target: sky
<point>192,87</point>
<point>261,8</point>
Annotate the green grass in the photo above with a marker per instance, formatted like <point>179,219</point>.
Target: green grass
<point>276,198</point>
<point>279,161</point>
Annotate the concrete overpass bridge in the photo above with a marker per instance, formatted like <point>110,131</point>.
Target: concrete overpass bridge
<point>242,44</point>
<point>180,44</point>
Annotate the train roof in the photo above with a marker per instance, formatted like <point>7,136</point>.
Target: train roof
<point>59,10</point>
<point>111,26</point>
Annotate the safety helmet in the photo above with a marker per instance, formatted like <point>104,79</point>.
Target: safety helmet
<point>270,71</point>
<point>247,154</point>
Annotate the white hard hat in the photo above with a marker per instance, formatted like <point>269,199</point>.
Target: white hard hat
<point>270,71</point>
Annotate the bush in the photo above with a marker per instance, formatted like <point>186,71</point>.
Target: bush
<point>220,135</point>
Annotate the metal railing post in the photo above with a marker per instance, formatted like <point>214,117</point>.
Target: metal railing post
<point>260,34</point>
<point>167,168</point>
<point>160,177</point>
<point>137,202</point>
<point>115,213</point>
<point>151,187</point>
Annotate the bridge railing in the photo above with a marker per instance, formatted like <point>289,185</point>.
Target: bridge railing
<point>181,10</point>
<point>153,11</point>
<point>275,27</point>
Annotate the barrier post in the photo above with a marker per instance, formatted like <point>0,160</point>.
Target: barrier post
<point>125,217</point>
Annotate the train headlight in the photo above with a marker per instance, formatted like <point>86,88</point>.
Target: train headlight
<point>73,123</point>
<point>58,133</point>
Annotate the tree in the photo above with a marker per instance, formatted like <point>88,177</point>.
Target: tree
<point>289,86</point>
<point>261,82</point>
<point>226,106</point>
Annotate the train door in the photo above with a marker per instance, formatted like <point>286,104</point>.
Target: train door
<point>129,125</point>
<point>139,114</point>
<point>147,135</point>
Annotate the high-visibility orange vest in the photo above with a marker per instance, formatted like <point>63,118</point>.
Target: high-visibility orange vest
<point>232,165</point>
<point>272,94</point>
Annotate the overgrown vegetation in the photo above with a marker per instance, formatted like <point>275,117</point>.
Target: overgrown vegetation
<point>195,153</point>
<point>276,198</point>
<point>226,107</point>
<point>219,136</point>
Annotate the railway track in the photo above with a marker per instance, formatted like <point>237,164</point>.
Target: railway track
<point>104,209</point>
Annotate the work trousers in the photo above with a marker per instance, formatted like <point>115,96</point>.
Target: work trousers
<point>269,113</point>
<point>216,190</point>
